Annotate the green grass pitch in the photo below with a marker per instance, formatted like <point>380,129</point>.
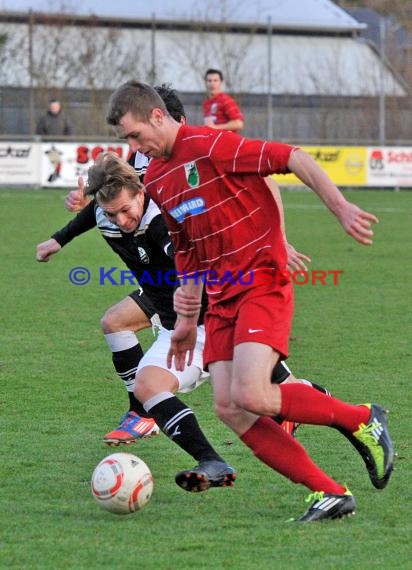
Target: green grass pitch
<point>59,395</point>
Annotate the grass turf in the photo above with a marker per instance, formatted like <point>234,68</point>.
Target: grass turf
<point>59,395</point>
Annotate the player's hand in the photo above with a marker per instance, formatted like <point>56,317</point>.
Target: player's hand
<point>182,344</point>
<point>356,222</point>
<point>296,260</point>
<point>76,200</point>
<point>46,249</point>
<point>185,305</point>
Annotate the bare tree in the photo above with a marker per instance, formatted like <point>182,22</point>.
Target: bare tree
<point>212,41</point>
<point>13,55</point>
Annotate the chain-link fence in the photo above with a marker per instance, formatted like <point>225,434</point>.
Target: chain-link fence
<point>299,119</point>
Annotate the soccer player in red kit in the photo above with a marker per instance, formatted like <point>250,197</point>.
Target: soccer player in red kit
<point>225,227</point>
<point>220,110</point>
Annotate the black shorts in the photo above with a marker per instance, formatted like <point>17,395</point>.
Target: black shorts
<point>143,301</point>
<point>279,373</point>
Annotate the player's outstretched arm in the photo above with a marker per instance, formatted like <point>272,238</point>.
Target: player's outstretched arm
<point>46,249</point>
<point>296,260</point>
<point>355,221</point>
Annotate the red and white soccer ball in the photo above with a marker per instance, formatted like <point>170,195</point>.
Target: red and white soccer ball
<point>122,483</point>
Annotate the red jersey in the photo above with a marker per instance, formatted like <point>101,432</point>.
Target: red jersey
<point>222,108</point>
<point>222,217</point>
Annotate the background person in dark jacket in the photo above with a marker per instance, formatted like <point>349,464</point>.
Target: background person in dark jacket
<point>54,121</point>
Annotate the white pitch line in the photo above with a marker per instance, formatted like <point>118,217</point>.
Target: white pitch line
<point>22,194</point>
<point>5,194</point>
<point>321,207</point>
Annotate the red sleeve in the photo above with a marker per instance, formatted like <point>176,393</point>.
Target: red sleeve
<point>237,154</point>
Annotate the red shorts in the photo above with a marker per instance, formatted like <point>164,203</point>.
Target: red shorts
<point>262,314</point>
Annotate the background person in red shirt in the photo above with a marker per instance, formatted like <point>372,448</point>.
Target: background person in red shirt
<point>220,110</point>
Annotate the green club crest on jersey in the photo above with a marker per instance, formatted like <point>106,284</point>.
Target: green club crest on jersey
<point>192,174</point>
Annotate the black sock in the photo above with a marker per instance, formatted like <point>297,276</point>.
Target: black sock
<point>126,363</point>
<point>179,423</point>
<point>126,355</point>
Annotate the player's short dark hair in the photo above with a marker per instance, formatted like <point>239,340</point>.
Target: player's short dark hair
<point>109,175</point>
<point>211,71</point>
<point>172,101</point>
<point>138,98</point>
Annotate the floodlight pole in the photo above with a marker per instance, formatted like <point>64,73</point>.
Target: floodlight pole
<point>153,50</point>
<point>382,103</point>
<point>269,135</point>
<point>31,82</point>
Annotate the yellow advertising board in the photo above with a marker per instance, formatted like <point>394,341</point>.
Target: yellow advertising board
<point>345,165</point>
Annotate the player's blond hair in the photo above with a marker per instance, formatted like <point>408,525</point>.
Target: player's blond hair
<point>109,175</point>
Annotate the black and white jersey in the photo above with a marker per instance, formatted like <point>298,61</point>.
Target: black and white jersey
<point>140,162</point>
<point>147,252</point>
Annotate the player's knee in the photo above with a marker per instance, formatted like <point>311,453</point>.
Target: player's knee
<point>110,322</point>
<point>250,400</point>
<point>143,388</point>
<point>139,392</point>
<point>246,401</point>
<point>233,417</point>
<point>224,412</point>
<point>228,413</point>
<point>220,411</point>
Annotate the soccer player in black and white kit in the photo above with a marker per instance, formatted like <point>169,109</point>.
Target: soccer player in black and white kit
<point>140,238</point>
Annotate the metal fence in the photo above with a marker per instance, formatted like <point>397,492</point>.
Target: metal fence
<point>320,120</point>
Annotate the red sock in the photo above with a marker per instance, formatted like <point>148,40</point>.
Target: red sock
<point>305,405</point>
<point>272,445</point>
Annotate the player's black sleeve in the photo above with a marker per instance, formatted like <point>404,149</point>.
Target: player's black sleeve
<point>160,234</point>
<point>83,222</point>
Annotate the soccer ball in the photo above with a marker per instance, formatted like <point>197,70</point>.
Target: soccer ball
<point>122,483</point>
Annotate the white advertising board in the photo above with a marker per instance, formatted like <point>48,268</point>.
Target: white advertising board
<point>19,163</point>
<point>59,165</point>
<point>63,163</point>
<point>389,166</point>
